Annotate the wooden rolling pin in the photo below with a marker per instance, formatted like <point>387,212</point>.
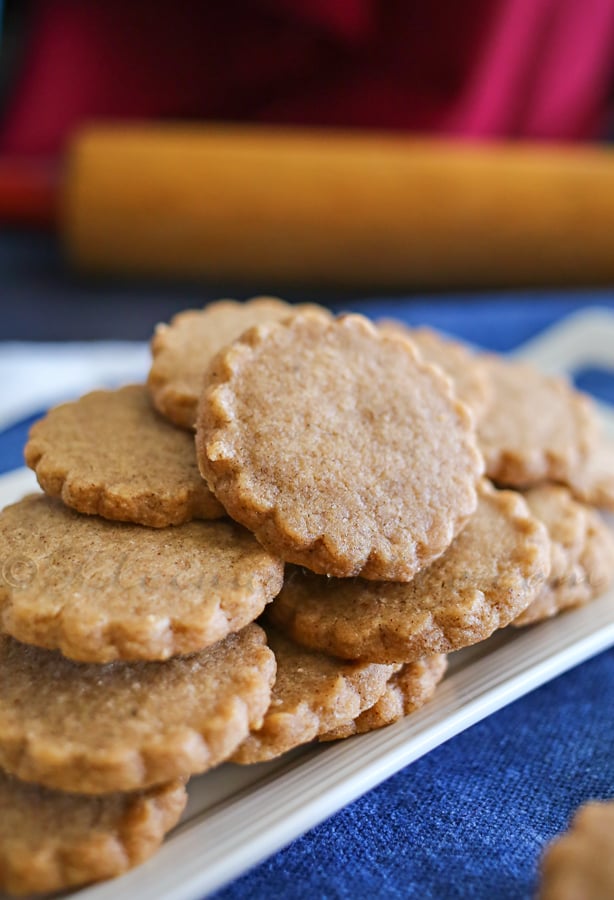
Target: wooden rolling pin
<point>269,206</point>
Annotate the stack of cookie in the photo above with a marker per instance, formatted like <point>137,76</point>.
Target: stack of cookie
<point>336,493</point>
<point>317,695</point>
<point>128,656</point>
<point>349,456</point>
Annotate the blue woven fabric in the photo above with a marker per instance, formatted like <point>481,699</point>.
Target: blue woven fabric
<point>469,819</point>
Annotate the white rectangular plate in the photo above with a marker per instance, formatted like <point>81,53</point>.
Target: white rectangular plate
<point>238,816</point>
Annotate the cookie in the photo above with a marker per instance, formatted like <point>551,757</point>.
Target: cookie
<point>582,553</point>
<point>100,591</point>
<point>593,482</point>
<point>51,841</point>
<point>123,727</point>
<point>183,350</point>
<point>567,523</point>
<point>338,447</point>
<point>597,557</point>
<point>313,693</point>
<point>579,865</point>
<point>110,454</point>
<point>538,428</point>
<point>466,369</point>
<point>492,571</point>
<point>407,690</point>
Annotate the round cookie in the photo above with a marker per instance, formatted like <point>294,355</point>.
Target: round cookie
<point>100,591</point>
<point>466,369</point>
<point>313,693</point>
<point>579,865</point>
<point>538,428</point>
<point>597,557</point>
<point>407,690</point>
<point>338,447</point>
<point>582,554</point>
<point>51,841</point>
<point>567,523</point>
<point>492,571</point>
<point>110,454</point>
<point>593,482</point>
<point>183,350</point>
<point>123,727</point>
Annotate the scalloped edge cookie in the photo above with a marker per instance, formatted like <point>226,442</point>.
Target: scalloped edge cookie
<point>42,753</point>
<point>182,350</point>
<point>588,567</point>
<point>593,482</point>
<point>466,369</point>
<point>579,864</point>
<point>538,427</point>
<point>462,598</point>
<point>137,826</point>
<point>101,591</point>
<point>110,454</point>
<point>407,691</point>
<point>288,476</point>
<point>312,693</point>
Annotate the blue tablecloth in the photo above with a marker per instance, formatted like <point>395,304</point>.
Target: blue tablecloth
<point>469,820</point>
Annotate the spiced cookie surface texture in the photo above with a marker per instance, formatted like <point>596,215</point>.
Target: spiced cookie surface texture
<point>466,369</point>
<point>183,349</point>
<point>338,447</point>
<point>407,690</point>
<point>100,591</point>
<point>111,454</point>
<point>122,727</point>
<point>538,427</point>
<point>51,841</point>
<point>313,693</point>
<point>489,575</point>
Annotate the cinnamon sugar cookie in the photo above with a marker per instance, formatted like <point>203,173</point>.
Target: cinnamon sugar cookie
<point>582,553</point>
<point>579,865</point>
<point>100,591</point>
<point>593,482</point>
<point>406,691</point>
<point>338,447</point>
<point>312,694</point>
<point>122,727</point>
<point>538,428</point>
<point>492,571</point>
<point>51,841</point>
<point>183,350</point>
<point>466,369</point>
<point>566,521</point>
<point>111,454</point>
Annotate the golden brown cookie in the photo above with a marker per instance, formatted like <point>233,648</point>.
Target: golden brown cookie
<point>538,428</point>
<point>111,454</point>
<point>597,557</point>
<point>593,482</point>
<point>582,553</point>
<point>566,521</point>
<point>51,841</point>
<point>466,369</point>
<point>492,571</point>
<point>122,727</point>
<point>183,350</point>
<point>579,865</point>
<point>313,693</point>
<point>100,591</point>
<point>407,690</point>
<point>338,447</point>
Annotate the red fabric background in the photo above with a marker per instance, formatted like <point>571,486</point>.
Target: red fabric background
<point>531,68</point>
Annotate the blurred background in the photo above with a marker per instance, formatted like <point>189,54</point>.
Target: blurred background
<point>154,155</point>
